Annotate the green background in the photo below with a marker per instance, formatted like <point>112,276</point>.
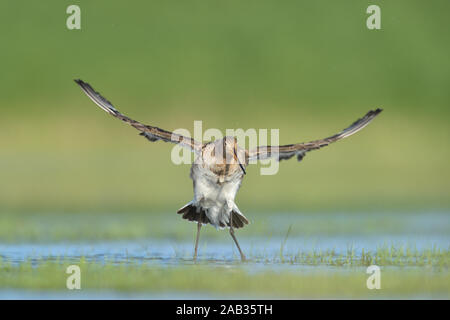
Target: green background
<point>308,68</point>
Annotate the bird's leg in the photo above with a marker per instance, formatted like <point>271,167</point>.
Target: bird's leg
<point>199,225</point>
<point>234,238</point>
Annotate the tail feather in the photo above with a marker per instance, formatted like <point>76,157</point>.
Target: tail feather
<point>239,220</point>
<point>236,219</point>
<point>191,212</point>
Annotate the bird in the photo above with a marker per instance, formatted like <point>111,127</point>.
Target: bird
<point>220,166</point>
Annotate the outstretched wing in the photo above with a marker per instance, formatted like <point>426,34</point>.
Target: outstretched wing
<point>299,150</point>
<point>149,132</point>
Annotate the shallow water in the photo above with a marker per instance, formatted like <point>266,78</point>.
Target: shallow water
<point>167,252</point>
<point>340,233</point>
<point>15,294</point>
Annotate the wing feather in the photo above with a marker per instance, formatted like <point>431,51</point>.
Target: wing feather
<point>299,150</point>
<point>150,132</point>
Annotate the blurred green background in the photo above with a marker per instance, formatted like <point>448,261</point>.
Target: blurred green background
<point>308,68</point>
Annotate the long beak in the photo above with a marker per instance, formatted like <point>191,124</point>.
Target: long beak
<point>237,159</point>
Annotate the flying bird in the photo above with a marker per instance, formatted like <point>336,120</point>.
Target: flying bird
<point>219,167</point>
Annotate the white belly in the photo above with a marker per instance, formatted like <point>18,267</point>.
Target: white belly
<point>217,199</point>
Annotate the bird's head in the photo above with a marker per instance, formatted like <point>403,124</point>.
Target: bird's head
<point>224,156</point>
